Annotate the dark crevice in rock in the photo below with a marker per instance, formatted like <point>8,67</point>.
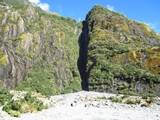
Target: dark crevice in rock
<point>83,56</point>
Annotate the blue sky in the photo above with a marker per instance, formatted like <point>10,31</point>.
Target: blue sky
<point>147,11</point>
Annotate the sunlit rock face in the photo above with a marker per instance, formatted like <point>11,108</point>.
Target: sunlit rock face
<point>35,45</point>
<point>123,56</point>
<point>113,53</point>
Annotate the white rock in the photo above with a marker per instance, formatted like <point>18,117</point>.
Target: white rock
<point>62,109</point>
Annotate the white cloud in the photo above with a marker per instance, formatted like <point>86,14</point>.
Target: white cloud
<point>34,1</point>
<point>43,6</point>
<point>111,7</point>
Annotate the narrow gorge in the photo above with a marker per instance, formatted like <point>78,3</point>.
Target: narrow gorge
<point>47,53</point>
<point>106,67</point>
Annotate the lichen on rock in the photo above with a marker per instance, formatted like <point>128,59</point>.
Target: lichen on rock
<point>122,55</point>
<point>36,43</point>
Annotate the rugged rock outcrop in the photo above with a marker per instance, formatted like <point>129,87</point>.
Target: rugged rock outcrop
<point>36,45</point>
<point>39,51</point>
<point>123,56</point>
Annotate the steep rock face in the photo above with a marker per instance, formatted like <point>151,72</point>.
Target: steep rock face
<point>123,56</point>
<point>35,45</point>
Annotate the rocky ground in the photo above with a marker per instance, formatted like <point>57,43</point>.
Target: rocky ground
<point>88,106</point>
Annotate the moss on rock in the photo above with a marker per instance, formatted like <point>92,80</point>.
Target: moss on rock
<point>122,55</point>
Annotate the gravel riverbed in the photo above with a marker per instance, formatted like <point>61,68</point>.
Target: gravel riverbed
<point>88,106</point>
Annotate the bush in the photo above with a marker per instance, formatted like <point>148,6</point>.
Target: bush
<point>40,81</point>
<point>12,108</point>
<point>125,99</point>
<point>132,101</point>
<point>116,99</point>
<point>148,97</point>
<point>5,96</point>
<point>74,86</point>
<point>27,104</point>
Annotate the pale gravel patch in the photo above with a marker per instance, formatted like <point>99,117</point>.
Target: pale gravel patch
<point>85,106</point>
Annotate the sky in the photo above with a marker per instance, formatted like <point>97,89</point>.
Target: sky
<point>147,11</point>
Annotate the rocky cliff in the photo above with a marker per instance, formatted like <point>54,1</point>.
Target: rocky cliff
<point>119,55</point>
<point>38,50</point>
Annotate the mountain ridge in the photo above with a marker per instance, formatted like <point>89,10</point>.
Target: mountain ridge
<point>115,54</point>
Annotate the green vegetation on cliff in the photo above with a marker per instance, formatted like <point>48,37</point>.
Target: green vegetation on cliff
<point>39,49</point>
<point>123,55</point>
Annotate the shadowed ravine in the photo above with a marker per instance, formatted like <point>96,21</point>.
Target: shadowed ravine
<point>83,56</point>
